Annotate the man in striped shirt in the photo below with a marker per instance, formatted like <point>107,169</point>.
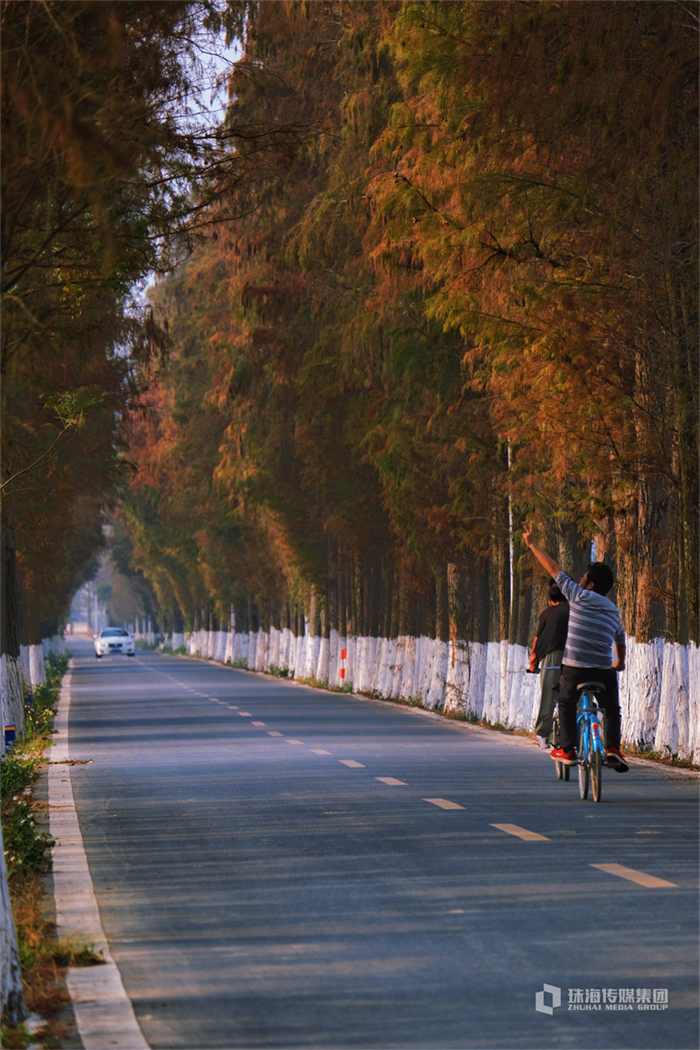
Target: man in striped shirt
<point>594,626</point>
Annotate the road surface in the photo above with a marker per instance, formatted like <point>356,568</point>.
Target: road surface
<point>277,866</point>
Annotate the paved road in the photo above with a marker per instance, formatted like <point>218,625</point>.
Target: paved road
<point>276,867</point>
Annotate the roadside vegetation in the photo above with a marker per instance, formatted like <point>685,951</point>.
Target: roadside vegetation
<point>43,958</point>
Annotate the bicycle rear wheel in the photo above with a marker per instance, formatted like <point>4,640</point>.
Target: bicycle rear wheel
<point>583,768</point>
<point>596,775</point>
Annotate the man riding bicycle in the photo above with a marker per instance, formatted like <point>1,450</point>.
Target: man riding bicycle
<point>594,625</point>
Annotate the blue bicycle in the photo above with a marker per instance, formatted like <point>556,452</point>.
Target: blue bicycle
<point>590,726</point>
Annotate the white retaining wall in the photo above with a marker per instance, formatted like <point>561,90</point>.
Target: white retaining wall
<point>659,691</point>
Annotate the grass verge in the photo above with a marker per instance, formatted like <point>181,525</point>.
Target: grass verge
<point>43,958</point>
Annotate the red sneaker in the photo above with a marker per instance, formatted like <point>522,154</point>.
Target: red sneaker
<point>616,759</point>
<point>567,758</point>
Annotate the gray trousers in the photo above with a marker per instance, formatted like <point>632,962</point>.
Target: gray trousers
<point>550,673</point>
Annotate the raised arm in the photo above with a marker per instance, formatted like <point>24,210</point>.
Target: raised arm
<point>543,558</point>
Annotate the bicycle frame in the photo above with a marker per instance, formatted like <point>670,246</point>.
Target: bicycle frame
<point>588,723</point>
<point>591,752</point>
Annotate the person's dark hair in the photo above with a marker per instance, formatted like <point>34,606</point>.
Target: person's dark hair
<point>601,576</point>
<point>555,594</point>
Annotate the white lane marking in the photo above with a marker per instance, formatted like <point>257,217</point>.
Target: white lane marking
<point>318,751</point>
<point>294,741</point>
<point>233,707</point>
<point>391,780</point>
<point>521,833</point>
<point>351,762</point>
<point>274,733</point>
<point>443,803</point>
<point>215,699</point>
<point>246,714</point>
<point>259,723</point>
<point>103,1012</point>
<point>640,877</point>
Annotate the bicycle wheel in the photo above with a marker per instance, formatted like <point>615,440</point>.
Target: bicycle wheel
<point>596,775</point>
<point>583,768</point>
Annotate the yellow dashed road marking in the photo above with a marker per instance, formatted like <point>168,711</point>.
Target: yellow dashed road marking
<point>521,833</point>
<point>640,877</point>
<point>391,780</point>
<point>443,803</point>
<point>351,762</point>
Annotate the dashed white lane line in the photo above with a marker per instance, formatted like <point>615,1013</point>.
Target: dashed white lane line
<point>443,803</point>
<point>246,714</point>
<point>391,780</point>
<point>521,833</point>
<point>351,762</point>
<point>259,723</point>
<point>103,1012</point>
<point>288,741</point>
<point>273,732</point>
<point>640,877</point>
<point>319,751</point>
<point>233,707</point>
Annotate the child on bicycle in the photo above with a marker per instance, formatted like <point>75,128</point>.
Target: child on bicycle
<point>594,626</point>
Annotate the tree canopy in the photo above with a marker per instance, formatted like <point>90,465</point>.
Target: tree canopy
<point>437,275</point>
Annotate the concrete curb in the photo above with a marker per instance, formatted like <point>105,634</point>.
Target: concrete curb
<point>103,1012</point>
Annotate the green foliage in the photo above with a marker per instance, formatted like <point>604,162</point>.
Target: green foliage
<point>16,774</point>
<point>25,848</point>
<point>55,666</point>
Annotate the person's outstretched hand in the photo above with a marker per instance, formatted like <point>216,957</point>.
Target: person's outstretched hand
<point>528,536</point>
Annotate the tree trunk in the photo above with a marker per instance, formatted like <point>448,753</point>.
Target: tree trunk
<point>13,1009</point>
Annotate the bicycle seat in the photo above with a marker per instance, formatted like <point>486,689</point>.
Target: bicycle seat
<point>591,687</point>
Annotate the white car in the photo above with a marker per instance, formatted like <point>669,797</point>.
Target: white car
<point>114,640</point>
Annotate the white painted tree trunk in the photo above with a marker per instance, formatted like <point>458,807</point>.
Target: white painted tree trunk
<point>13,1009</point>
<point>694,702</point>
<point>334,659</point>
<point>11,696</point>
<point>37,672</point>
<point>399,657</point>
<point>404,689</point>
<point>438,675</point>
<point>386,666</point>
<point>423,674</point>
<point>275,641</point>
<point>323,664</point>
<point>23,663</point>
<point>286,650</point>
<point>457,684</point>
